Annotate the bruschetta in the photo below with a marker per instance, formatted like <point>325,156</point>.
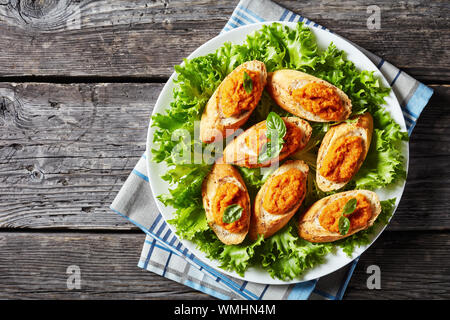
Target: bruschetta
<point>308,97</point>
<point>342,152</point>
<point>227,203</point>
<point>233,101</point>
<point>245,150</point>
<point>320,223</point>
<point>279,198</point>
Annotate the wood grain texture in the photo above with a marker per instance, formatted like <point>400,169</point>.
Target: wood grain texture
<point>66,150</point>
<point>413,265</point>
<point>427,189</point>
<point>34,267</point>
<point>146,39</point>
<point>409,269</point>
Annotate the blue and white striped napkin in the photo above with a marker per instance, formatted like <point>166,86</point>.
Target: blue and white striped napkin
<point>163,254</point>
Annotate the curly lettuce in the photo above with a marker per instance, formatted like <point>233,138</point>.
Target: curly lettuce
<point>284,256</point>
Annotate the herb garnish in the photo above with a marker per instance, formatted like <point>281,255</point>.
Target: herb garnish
<point>344,222</point>
<point>276,130</point>
<point>232,213</point>
<point>248,83</point>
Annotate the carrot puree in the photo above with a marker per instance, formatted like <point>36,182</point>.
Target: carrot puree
<point>233,98</point>
<point>284,192</point>
<point>320,100</point>
<point>342,159</point>
<point>228,194</point>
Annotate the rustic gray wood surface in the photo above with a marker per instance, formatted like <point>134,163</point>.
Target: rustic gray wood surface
<point>78,81</point>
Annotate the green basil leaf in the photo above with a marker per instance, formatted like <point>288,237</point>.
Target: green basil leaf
<point>248,83</point>
<point>232,213</point>
<point>276,130</point>
<point>344,225</point>
<point>269,151</point>
<point>263,157</point>
<point>275,123</point>
<point>349,207</point>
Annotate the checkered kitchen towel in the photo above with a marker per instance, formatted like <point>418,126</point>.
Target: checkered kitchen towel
<point>163,254</point>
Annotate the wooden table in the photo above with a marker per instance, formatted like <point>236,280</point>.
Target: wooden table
<point>78,83</point>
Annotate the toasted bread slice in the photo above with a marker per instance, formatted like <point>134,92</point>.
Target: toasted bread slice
<point>309,227</point>
<point>224,173</point>
<point>265,223</point>
<point>214,125</point>
<point>363,128</point>
<point>239,153</point>
<point>281,84</point>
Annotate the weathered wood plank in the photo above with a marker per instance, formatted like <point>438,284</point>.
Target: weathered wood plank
<point>44,259</point>
<point>146,39</point>
<point>413,266</point>
<point>66,149</point>
<point>427,189</point>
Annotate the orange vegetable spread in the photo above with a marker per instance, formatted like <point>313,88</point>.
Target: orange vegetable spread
<point>329,219</point>
<point>292,138</point>
<point>342,159</point>
<point>233,99</point>
<point>320,100</point>
<point>228,194</point>
<point>284,191</point>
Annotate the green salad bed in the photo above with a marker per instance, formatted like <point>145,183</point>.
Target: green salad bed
<point>284,256</point>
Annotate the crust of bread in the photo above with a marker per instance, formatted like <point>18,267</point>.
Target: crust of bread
<point>281,83</point>
<point>265,223</point>
<point>214,126</point>
<point>221,173</point>
<point>310,229</point>
<point>238,153</point>
<point>363,128</point>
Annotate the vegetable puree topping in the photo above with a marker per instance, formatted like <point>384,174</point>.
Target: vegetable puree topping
<point>234,99</point>
<point>228,194</point>
<point>342,159</point>
<point>284,192</point>
<point>320,100</point>
<point>292,139</point>
<point>329,219</point>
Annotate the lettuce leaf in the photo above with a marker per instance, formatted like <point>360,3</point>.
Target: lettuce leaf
<point>190,221</point>
<point>284,255</point>
<point>384,163</point>
<point>232,257</point>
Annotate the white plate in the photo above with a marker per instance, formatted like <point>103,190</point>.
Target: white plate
<point>238,36</point>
